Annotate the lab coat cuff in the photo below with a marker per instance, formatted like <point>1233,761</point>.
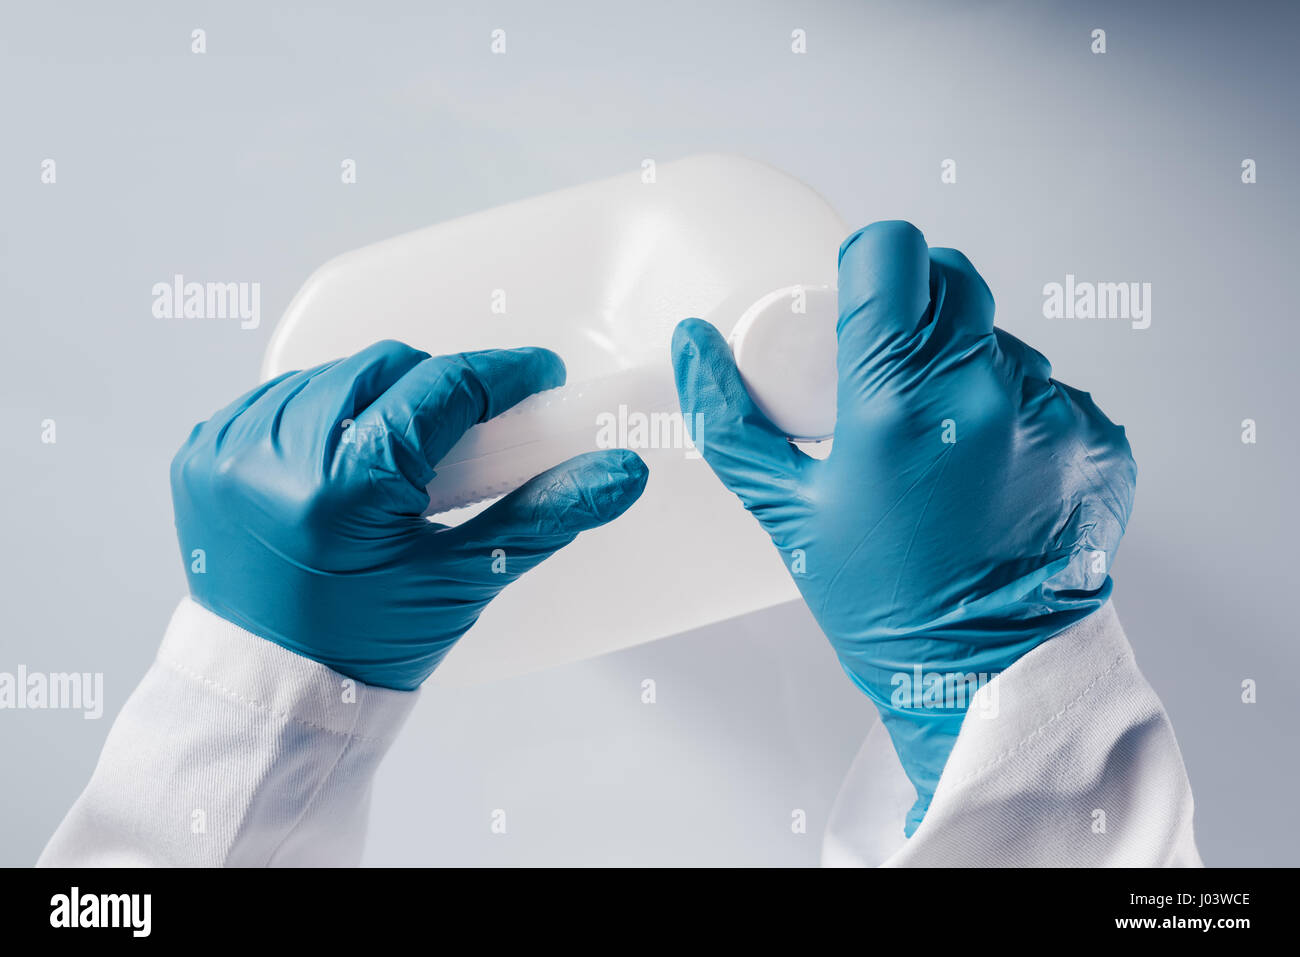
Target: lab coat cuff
<point>1088,662</point>
<point>265,677</point>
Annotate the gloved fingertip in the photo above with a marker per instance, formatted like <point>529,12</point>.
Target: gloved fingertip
<point>630,462</point>
<point>585,492</point>
<point>696,343</point>
<point>624,479</point>
<point>552,366</point>
<point>896,232</point>
<point>690,335</point>
<point>539,367</point>
<point>845,246</point>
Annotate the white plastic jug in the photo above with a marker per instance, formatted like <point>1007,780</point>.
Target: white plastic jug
<point>602,273</point>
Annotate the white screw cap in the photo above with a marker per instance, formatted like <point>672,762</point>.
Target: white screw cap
<point>785,346</point>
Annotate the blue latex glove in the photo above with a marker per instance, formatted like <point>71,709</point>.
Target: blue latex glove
<point>969,509</point>
<point>306,494</point>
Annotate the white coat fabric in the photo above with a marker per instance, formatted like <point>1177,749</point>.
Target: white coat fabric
<point>234,751</point>
<point>1066,759</point>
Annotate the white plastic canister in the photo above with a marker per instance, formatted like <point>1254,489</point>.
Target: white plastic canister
<point>602,273</point>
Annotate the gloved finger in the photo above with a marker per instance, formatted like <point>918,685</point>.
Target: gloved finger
<point>884,298</point>
<point>546,513</point>
<point>962,299</point>
<point>427,410</point>
<point>751,456</point>
<point>353,383</point>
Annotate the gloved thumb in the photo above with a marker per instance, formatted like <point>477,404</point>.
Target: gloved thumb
<point>752,457</point>
<point>548,512</point>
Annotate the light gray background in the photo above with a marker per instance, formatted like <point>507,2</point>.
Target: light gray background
<point>226,166</point>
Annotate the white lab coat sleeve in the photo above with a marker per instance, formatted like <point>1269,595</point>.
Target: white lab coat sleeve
<point>1065,759</point>
<point>232,751</point>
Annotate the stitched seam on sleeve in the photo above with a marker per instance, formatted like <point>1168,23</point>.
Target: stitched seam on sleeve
<point>311,801</point>
<point>1044,726</point>
<point>261,705</point>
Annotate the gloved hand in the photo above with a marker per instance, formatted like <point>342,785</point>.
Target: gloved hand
<point>970,506</point>
<point>305,497</point>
